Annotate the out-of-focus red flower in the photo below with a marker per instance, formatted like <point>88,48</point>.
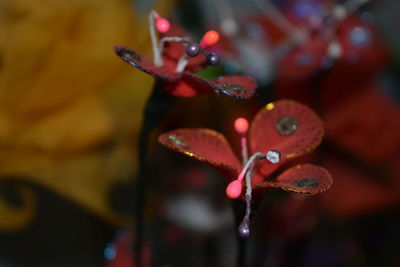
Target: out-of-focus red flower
<point>363,51</point>
<point>304,60</point>
<point>367,125</point>
<point>356,192</point>
<point>285,126</point>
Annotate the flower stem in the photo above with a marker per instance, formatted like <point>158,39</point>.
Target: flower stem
<point>238,210</point>
<point>156,108</point>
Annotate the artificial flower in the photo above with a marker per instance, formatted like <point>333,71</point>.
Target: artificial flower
<point>174,64</point>
<point>281,131</point>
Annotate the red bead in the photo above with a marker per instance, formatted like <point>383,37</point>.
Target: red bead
<point>209,39</point>
<point>162,25</point>
<point>234,189</point>
<point>241,125</point>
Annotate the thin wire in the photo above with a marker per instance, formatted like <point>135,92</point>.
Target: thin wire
<point>156,51</point>
<point>245,155</point>
<point>254,157</point>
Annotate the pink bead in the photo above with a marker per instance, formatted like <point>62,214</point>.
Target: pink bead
<point>234,189</point>
<point>241,125</point>
<point>162,25</point>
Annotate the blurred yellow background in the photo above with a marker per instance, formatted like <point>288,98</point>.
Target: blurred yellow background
<point>70,109</point>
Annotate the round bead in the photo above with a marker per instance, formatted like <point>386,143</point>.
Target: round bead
<point>192,50</point>
<point>273,156</point>
<point>162,25</point>
<point>213,59</point>
<point>244,229</point>
<point>241,125</point>
<point>234,189</point>
<point>210,38</point>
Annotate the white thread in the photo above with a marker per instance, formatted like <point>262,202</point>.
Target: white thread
<point>156,51</point>
<point>254,157</point>
<point>245,155</point>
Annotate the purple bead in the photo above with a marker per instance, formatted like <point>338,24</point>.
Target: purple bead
<point>213,59</point>
<point>192,49</point>
<point>244,229</point>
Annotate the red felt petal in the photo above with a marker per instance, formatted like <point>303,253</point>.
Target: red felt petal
<point>240,86</point>
<point>287,126</point>
<point>187,88</point>
<point>305,179</point>
<point>204,145</point>
<point>303,61</point>
<point>235,86</point>
<point>145,65</point>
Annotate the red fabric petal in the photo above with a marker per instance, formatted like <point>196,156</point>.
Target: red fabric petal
<point>237,86</point>
<point>145,65</point>
<point>359,193</point>
<point>367,125</point>
<point>189,86</point>
<point>289,127</point>
<point>305,179</point>
<point>204,145</point>
<point>303,61</point>
<point>240,86</point>
<point>173,50</point>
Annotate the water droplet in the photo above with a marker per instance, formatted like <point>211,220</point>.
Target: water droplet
<point>286,125</point>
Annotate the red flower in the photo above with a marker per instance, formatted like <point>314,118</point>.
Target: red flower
<point>361,191</point>
<point>366,125</point>
<point>364,52</point>
<point>173,65</point>
<point>304,60</point>
<point>280,132</point>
